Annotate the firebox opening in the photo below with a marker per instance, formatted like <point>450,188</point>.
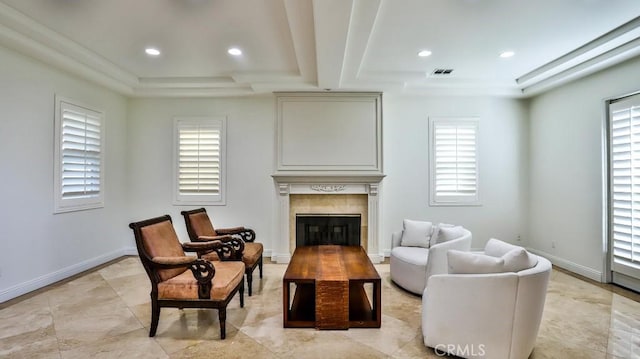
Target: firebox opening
<point>339,229</point>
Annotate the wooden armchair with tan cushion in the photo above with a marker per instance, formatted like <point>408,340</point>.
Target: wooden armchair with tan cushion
<point>181,281</point>
<point>200,228</point>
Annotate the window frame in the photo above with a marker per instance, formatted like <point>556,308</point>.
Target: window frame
<point>434,199</point>
<point>62,204</point>
<point>180,199</point>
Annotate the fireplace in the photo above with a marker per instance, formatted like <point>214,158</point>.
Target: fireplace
<point>327,195</point>
<point>339,229</point>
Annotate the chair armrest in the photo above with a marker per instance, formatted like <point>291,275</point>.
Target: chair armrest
<point>470,309</point>
<point>221,237</point>
<point>246,234</point>
<point>396,239</point>
<point>236,243</point>
<point>225,251</point>
<point>233,230</point>
<point>203,271</point>
<point>173,262</point>
<point>437,262</point>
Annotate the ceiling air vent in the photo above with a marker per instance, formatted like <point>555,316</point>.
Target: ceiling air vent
<point>442,72</point>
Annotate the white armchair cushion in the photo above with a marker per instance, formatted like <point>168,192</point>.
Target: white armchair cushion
<point>473,263</point>
<point>416,233</point>
<point>435,236</point>
<point>518,259</point>
<point>409,267</point>
<point>415,256</point>
<point>447,233</point>
<point>498,248</point>
<point>515,260</point>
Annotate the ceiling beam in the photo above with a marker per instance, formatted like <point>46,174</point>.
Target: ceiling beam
<point>331,19</point>
<point>363,19</point>
<point>300,18</point>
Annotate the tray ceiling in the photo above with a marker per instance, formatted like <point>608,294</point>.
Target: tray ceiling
<point>309,45</point>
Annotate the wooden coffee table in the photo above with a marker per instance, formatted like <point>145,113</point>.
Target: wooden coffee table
<point>329,289</point>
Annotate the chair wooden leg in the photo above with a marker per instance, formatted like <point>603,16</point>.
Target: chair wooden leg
<point>241,290</point>
<point>155,317</point>
<point>260,267</point>
<point>249,280</point>
<point>222,316</point>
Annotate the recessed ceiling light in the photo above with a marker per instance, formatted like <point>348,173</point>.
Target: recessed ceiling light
<point>507,54</point>
<point>424,53</point>
<point>152,51</point>
<point>234,51</point>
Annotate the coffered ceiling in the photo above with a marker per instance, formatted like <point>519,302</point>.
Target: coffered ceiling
<point>309,45</point>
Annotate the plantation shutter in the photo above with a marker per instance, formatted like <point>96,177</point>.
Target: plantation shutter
<point>199,160</point>
<point>624,130</point>
<point>78,157</point>
<point>454,165</point>
<point>81,152</point>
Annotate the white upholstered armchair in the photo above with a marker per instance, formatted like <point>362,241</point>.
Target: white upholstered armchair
<point>490,315</point>
<point>415,259</point>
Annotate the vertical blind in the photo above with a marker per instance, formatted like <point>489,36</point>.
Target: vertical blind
<point>454,161</point>
<point>199,159</point>
<point>624,120</point>
<point>80,152</point>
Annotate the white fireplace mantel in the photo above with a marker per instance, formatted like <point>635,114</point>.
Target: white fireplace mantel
<point>327,183</point>
<point>328,143</point>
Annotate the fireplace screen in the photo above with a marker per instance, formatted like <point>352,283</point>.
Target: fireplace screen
<point>340,229</point>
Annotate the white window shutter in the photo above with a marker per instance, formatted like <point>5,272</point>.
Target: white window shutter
<point>79,157</point>
<point>199,161</point>
<point>81,162</point>
<point>454,161</point>
<point>624,130</point>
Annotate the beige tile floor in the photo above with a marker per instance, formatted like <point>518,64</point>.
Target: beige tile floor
<point>105,313</point>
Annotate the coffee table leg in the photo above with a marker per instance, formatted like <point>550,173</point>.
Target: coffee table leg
<point>285,301</point>
<point>377,309</point>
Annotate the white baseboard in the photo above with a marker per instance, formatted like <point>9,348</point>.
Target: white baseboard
<point>64,273</point>
<point>376,258</point>
<point>281,257</point>
<point>570,266</point>
<point>130,251</point>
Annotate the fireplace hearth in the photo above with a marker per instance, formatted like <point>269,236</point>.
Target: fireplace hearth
<point>338,229</point>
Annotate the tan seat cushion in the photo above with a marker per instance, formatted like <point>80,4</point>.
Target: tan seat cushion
<point>251,254</point>
<point>185,286</point>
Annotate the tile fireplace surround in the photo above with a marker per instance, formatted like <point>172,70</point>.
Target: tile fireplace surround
<point>356,194</point>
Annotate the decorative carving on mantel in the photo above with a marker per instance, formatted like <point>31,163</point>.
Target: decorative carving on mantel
<point>284,189</point>
<point>328,187</point>
<point>373,189</point>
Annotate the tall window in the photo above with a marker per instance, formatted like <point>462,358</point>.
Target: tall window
<point>199,161</point>
<point>453,161</point>
<point>79,163</point>
<point>624,182</point>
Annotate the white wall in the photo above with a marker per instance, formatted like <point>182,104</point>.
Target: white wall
<point>37,246</point>
<point>566,167</point>
<point>139,170</point>
<point>252,199</point>
<point>502,166</point>
<point>250,161</point>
